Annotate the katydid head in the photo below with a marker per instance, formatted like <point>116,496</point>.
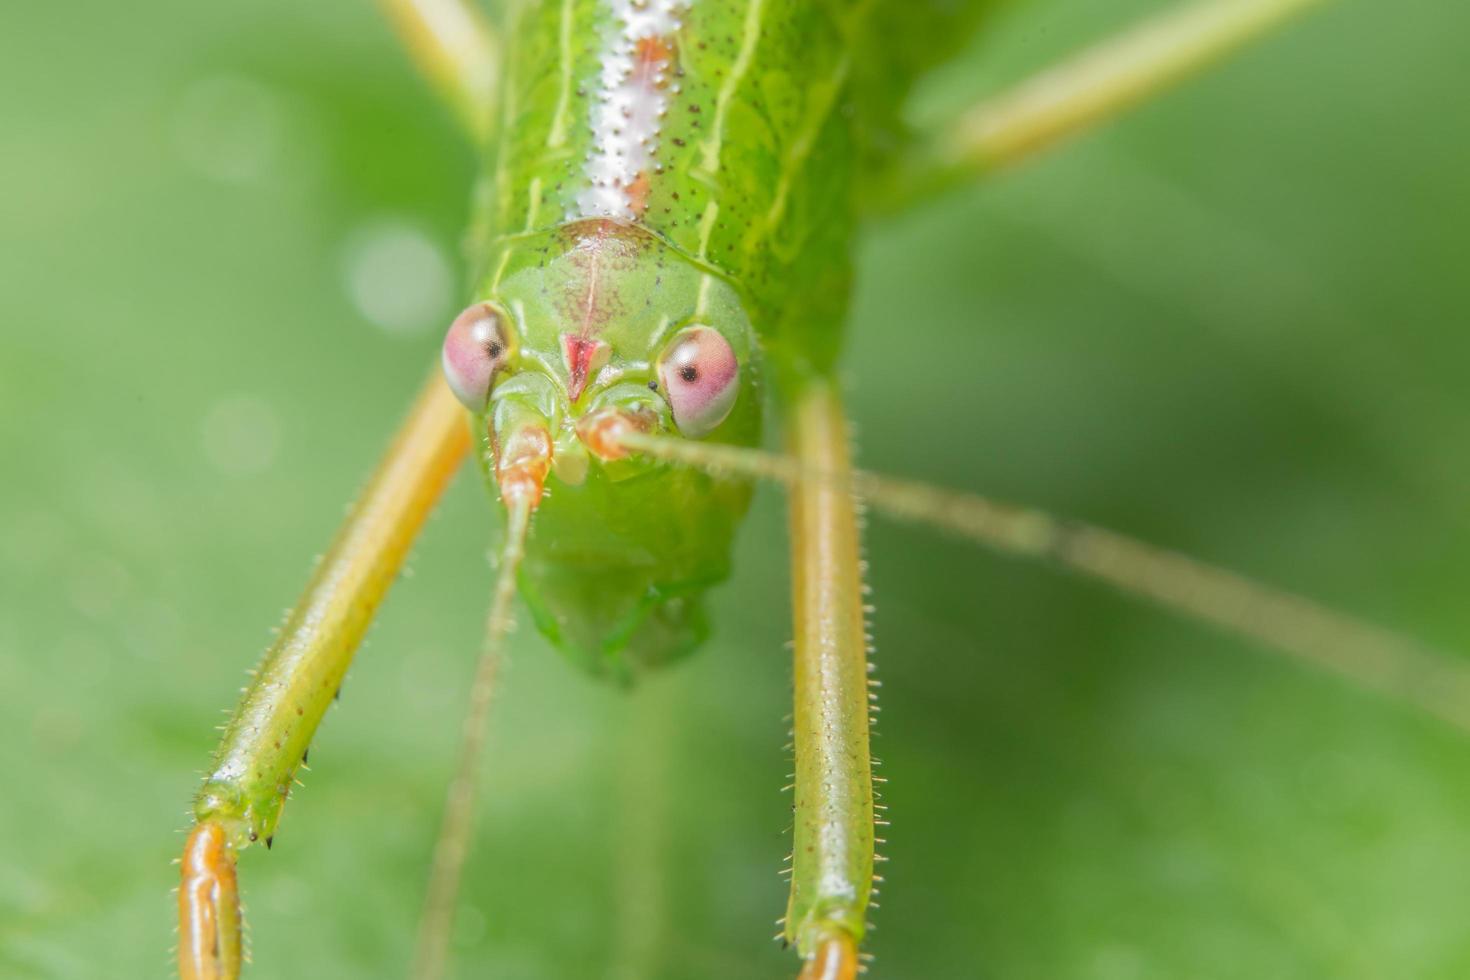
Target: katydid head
<point>583,334</point>
<point>598,324</point>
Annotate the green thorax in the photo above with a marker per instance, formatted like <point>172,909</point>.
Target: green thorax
<point>712,123</point>
<point>743,132</point>
<point>663,163</point>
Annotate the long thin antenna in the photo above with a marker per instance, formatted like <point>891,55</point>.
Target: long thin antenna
<point>452,846</point>
<point>1340,644</point>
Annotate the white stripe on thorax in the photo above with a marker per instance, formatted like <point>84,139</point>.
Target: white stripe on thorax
<point>627,113</point>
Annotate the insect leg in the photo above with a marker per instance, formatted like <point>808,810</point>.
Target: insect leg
<point>1086,89</point>
<point>832,845</point>
<point>456,50</point>
<point>267,737</point>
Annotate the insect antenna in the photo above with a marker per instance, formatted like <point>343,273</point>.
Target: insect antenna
<point>452,845</point>
<point>1340,644</point>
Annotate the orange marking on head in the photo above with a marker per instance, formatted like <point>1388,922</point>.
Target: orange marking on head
<point>602,432</point>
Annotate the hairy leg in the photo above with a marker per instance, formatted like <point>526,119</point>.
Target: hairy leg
<point>456,50</point>
<point>832,845</point>
<point>1085,90</point>
<point>267,737</point>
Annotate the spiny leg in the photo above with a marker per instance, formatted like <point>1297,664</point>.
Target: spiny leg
<point>1086,89</point>
<point>267,737</point>
<point>456,50</point>
<point>832,836</point>
<point>1434,682</point>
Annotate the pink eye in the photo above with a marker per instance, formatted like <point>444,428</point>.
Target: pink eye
<point>476,347</point>
<point>700,377</point>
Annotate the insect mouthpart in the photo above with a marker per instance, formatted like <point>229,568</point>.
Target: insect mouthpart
<point>522,461</point>
<point>602,431</point>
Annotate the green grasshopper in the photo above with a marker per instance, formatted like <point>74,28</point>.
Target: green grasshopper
<point>662,237</point>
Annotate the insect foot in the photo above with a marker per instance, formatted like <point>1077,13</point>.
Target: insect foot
<point>835,959</point>
<point>209,907</point>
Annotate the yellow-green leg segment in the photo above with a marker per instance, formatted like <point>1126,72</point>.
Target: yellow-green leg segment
<point>1082,91</point>
<point>269,733</point>
<point>456,51</point>
<point>832,847</point>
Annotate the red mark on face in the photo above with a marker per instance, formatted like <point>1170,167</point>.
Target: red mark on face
<point>583,357</point>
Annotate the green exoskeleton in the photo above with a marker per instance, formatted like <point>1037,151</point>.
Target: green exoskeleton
<point>661,250</point>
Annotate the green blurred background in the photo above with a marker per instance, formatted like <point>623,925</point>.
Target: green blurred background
<point>1234,324</point>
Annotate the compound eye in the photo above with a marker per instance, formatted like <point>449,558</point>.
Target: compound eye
<point>476,347</point>
<point>700,377</point>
